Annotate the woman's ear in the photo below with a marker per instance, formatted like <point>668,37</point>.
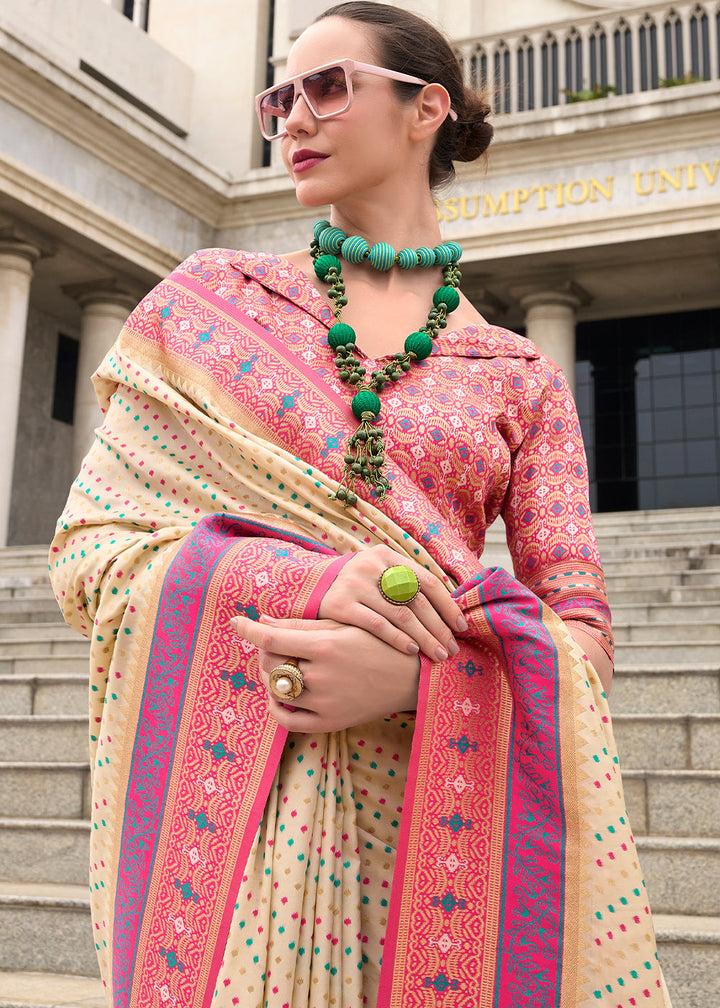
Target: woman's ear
<point>432,109</point>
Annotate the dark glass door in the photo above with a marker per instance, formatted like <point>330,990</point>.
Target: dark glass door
<point>648,394</point>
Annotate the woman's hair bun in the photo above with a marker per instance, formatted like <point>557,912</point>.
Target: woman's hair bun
<point>474,132</point>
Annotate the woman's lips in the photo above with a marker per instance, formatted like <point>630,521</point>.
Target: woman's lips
<point>305,159</point>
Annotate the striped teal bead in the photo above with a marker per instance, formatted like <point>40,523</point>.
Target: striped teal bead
<point>455,249</point>
<point>426,256</point>
<point>322,225</point>
<point>381,256</point>
<point>355,249</point>
<point>406,259</point>
<point>444,255</point>
<point>331,239</point>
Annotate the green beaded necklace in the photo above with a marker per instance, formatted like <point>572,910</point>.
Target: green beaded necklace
<point>365,456</point>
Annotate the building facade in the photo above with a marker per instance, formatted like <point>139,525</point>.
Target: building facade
<point>127,140</point>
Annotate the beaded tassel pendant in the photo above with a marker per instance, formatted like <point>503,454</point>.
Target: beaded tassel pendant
<point>365,455</point>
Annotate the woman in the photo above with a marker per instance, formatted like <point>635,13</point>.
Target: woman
<point>273,544</point>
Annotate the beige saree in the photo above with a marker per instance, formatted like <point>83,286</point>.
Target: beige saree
<point>477,853</point>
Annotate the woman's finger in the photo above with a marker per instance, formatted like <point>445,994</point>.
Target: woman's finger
<point>402,629</point>
<point>292,638</point>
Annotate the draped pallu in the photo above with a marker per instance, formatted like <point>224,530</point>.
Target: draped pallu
<point>514,881</point>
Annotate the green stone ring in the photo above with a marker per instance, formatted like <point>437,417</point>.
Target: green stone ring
<point>399,585</point>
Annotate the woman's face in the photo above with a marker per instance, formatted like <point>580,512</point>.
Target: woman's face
<point>364,150</point>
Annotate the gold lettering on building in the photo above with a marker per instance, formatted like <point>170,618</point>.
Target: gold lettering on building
<point>576,193</point>
<point>710,176</point>
<point>468,215</point>
<point>572,195</point>
<point>493,208</point>
<point>541,190</point>
<point>604,190</point>
<point>683,177</point>
<point>676,180</point>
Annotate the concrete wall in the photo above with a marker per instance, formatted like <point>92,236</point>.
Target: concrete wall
<point>69,31</point>
<point>224,42</point>
<point>43,467</point>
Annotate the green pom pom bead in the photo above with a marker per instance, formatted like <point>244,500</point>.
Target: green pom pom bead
<point>321,226</point>
<point>331,239</point>
<point>365,402</point>
<point>447,296</point>
<point>426,257</point>
<point>420,344</point>
<point>355,249</point>
<point>381,256</point>
<point>323,265</point>
<point>340,335</point>
<point>406,259</point>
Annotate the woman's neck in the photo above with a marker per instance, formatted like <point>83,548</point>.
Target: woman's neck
<point>408,224</point>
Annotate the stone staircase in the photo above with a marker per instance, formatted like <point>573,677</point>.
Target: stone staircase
<point>663,571</point>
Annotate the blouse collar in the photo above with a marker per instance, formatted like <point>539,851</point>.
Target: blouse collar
<point>280,276</point>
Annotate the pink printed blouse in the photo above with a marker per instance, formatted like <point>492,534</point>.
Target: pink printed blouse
<point>485,427</point>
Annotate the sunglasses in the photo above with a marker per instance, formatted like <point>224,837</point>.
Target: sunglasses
<point>327,90</point>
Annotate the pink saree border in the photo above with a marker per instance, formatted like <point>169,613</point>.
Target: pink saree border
<point>475,903</point>
<point>181,664</point>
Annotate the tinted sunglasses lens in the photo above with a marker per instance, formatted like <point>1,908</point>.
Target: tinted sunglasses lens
<point>327,92</point>
<point>275,108</point>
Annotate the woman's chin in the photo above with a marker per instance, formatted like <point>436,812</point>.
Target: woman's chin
<point>307,196</point>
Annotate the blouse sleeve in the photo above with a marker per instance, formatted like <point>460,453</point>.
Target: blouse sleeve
<point>547,510</point>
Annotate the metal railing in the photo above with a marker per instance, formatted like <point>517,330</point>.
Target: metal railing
<point>637,49</point>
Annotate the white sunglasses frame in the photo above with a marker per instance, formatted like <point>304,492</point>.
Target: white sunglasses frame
<point>349,66</point>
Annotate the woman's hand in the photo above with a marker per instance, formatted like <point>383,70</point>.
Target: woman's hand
<point>350,676</point>
<point>427,624</point>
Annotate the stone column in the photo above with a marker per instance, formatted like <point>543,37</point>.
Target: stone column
<point>105,307</point>
<point>17,259</point>
<point>550,317</point>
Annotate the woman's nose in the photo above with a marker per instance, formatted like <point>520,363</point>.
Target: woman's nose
<point>301,117</point>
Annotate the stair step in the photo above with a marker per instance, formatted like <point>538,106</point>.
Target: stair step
<point>41,665</point>
<point>682,874</point>
<point>23,577</point>
<point>692,633</point>
<point>45,850</point>
<point>673,802</point>
<point>689,950</point>
<point>54,737</point>
<point>33,611</point>
<point>50,990</point>
<point>45,790</point>
<point>667,650</point>
<point>667,612</point>
<point>626,576</point>
<point>61,645</point>
<point>52,631</point>
<point>30,912</point>
<point>668,741</point>
<point>38,593</point>
<point>671,595</point>
<point>48,694</point>
<point>665,689</point>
